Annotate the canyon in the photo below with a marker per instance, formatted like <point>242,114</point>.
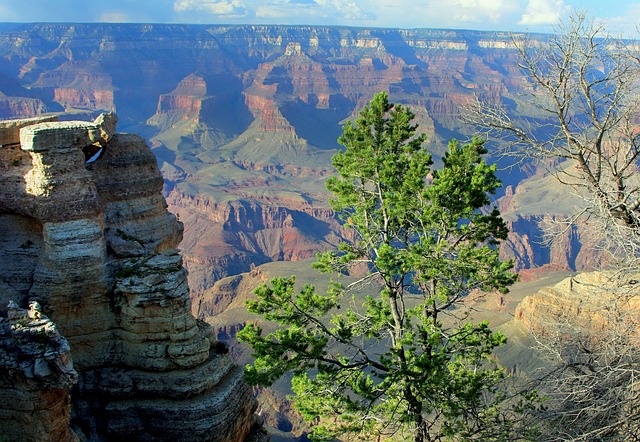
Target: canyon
<point>242,122</point>
<point>244,119</point>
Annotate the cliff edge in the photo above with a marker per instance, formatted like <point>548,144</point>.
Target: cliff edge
<point>86,234</point>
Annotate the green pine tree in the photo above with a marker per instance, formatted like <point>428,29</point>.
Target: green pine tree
<point>401,363</point>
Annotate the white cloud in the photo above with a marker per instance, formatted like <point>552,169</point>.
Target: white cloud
<point>452,13</point>
<point>543,12</point>
<point>349,10</point>
<point>310,11</point>
<point>623,25</point>
<point>224,7</point>
<point>479,10</point>
<point>470,14</point>
<point>114,17</point>
<point>286,9</point>
<point>276,12</point>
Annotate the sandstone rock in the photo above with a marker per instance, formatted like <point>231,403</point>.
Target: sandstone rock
<point>93,244</point>
<point>184,102</point>
<point>10,129</point>
<point>37,371</point>
<point>21,107</point>
<point>587,301</point>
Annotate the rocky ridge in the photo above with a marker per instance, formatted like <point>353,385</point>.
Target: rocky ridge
<point>86,234</point>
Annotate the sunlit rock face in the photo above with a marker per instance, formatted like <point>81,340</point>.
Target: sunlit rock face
<point>85,232</point>
<point>598,303</point>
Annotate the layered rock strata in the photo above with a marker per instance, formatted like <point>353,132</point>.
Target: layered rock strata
<point>591,302</point>
<point>36,373</point>
<point>231,237</point>
<point>250,115</point>
<point>86,233</point>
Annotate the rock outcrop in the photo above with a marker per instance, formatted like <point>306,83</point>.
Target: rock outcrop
<point>86,234</point>
<point>36,374</point>
<point>21,107</point>
<point>540,237</point>
<point>589,302</point>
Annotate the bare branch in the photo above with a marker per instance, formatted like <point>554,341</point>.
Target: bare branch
<point>584,86</point>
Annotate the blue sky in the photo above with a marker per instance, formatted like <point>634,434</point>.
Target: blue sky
<point>620,17</point>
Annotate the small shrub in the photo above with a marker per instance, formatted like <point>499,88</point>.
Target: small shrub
<point>124,235</point>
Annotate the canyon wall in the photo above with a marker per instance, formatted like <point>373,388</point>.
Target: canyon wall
<point>243,121</point>
<point>86,233</point>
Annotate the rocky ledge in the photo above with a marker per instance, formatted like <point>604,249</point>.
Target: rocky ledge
<point>86,234</point>
<point>591,302</point>
<point>37,372</point>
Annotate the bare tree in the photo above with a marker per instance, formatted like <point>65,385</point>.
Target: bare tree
<point>593,381</point>
<point>582,90</point>
<point>583,123</point>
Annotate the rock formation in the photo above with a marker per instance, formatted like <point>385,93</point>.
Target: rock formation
<point>36,373</point>
<point>85,233</point>
<point>231,237</point>
<point>589,302</point>
<point>540,237</point>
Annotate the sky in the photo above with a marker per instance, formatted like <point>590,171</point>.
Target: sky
<point>619,17</point>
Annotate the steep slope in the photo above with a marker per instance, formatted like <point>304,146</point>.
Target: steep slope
<point>588,301</point>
